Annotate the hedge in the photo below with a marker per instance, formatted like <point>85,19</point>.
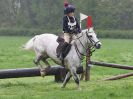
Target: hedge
<point>24,31</point>
<point>123,34</point>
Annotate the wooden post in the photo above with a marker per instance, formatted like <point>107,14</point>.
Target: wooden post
<point>88,68</point>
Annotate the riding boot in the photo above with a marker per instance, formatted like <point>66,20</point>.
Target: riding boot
<point>61,53</point>
<point>59,49</point>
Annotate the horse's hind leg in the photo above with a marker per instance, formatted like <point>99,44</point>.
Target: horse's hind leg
<point>75,76</point>
<point>37,60</point>
<point>45,61</point>
<point>67,78</point>
<point>43,70</point>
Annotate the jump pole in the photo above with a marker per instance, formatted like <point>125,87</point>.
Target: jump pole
<point>103,64</point>
<point>58,71</point>
<point>120,76</point>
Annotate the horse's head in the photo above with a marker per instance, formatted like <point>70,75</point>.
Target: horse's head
<point>92,38</point>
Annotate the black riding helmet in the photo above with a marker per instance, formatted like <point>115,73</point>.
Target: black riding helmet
<point>68,9</point>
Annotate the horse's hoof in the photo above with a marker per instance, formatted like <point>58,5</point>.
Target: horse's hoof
<point>62,87</point>
<point>43,73</point>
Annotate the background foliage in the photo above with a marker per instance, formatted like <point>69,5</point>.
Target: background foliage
<point>30,17</point>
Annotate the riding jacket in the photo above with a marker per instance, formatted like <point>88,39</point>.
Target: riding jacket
<point>71,25</point>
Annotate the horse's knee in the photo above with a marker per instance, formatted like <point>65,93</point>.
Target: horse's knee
<point>73,69</point>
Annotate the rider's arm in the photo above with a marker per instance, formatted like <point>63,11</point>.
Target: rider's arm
<point>78,26</point>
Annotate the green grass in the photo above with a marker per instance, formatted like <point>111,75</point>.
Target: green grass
<point>113,50</point>
<point>12,56</point>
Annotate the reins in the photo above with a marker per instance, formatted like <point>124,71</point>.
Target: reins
<point>91,48</point>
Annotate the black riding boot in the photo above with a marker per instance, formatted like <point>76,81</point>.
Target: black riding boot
<point>61,54</point>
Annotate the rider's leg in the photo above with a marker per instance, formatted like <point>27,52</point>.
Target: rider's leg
<point>67,38</point>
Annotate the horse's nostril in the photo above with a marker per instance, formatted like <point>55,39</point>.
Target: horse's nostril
<point>98,46</point>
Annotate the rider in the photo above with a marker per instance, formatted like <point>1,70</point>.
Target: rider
<point>70,27</point>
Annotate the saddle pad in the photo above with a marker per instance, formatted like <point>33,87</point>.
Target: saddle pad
<point>60,40</point>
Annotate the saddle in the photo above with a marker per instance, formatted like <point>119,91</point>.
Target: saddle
<point>60,40</point>
<point>63,47</point>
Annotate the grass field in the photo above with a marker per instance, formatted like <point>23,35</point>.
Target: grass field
<point>113,50</point>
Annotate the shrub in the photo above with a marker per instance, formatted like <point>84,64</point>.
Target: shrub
<point>24,31</point>
<point>123,34</point>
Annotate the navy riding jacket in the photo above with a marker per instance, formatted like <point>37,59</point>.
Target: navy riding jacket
<point>66,28</point>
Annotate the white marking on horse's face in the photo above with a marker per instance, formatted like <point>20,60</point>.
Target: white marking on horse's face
<point>92,37</point>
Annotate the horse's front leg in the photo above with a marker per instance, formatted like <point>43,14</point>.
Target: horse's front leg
<point>75,76</point>
<point>67,78</point>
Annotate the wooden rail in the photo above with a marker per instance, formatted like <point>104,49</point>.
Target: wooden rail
<point>120,76</point>
<point>103,64</point>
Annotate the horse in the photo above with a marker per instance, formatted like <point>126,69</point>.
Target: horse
<point>44,46</point>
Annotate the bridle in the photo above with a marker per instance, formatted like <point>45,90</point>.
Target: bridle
<point>91,40</point>
<point>91,47</point>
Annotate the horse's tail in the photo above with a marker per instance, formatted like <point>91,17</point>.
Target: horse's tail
<point>29,44</point>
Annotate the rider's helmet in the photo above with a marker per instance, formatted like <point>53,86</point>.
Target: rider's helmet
<point>68,9</point>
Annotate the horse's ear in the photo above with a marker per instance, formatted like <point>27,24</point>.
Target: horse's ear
<point>91,29</point>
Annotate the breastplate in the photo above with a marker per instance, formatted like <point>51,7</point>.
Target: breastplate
<point>71,25</point>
